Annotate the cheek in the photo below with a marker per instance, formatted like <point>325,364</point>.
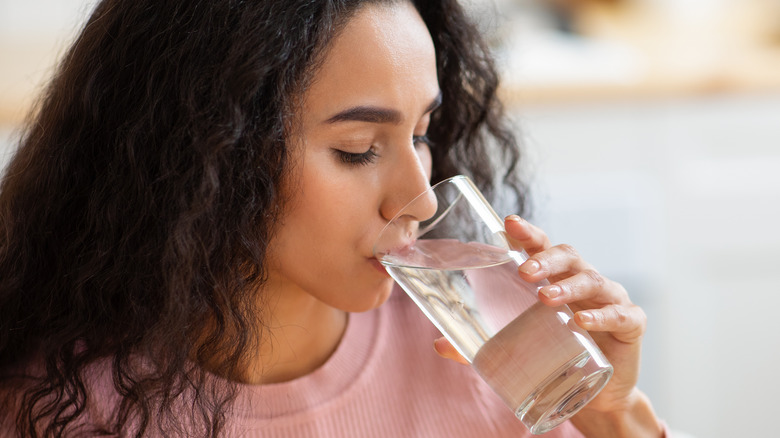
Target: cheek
<point>326,220</point>
<point>329,204</point>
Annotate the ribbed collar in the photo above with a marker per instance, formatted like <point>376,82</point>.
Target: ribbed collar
<point>354,356</point>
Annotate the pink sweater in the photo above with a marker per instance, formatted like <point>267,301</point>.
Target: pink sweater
<point>384,380</point>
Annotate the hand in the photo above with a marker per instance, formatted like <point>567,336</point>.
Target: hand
<point>600,306</point>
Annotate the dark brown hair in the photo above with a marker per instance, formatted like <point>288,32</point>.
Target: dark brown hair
<point>136,212</point>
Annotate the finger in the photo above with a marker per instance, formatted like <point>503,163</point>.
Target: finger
<point>447,351</point>
<point>625,323</point>
<point>552,263</point>
<point>531,238</point>
<point>587,285</point>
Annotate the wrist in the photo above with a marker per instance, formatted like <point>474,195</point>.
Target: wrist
<point>634,419</point>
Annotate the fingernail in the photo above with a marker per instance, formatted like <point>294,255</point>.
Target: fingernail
<point>514,217</point>
<point>551,291</point>
<point>586,317</point>
<point>530,267</point>
<point>439,345</point>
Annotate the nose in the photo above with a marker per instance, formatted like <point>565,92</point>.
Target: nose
<point>410,181</point>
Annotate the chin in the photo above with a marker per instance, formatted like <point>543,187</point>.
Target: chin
<point>373,298</point>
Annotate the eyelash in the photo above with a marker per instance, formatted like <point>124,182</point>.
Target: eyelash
<point>370,155</point>
<point>422,139</point>
<point>363,158</point>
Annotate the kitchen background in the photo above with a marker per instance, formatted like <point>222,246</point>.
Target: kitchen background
<point>652,130</point>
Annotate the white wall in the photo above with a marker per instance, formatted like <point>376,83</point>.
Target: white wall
<point>680,201</point>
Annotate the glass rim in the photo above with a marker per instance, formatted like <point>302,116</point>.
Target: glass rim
<point>415,199</point>
<point>421,194</point>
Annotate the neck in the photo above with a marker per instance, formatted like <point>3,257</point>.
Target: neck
<point>298,335</point>
<point>301,334</point>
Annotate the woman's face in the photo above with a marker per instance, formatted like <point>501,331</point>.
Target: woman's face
<point>358,158</point>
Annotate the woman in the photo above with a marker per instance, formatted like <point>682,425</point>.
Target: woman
<point>188,225</point>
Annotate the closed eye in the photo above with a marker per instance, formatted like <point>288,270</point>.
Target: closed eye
<point>421,139</point>
<point>354,159</point>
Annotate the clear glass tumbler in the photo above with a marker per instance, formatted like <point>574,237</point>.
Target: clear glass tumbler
<point>449,251</point>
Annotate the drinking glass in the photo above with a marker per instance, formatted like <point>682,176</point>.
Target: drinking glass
<point>449,251</point>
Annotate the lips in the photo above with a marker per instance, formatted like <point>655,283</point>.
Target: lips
<point>378,266</point>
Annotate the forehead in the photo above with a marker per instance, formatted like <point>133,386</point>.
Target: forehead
<point>382,54</point>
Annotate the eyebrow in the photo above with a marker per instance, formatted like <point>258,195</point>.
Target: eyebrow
<point>373,114</point>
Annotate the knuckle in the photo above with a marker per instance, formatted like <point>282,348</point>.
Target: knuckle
<point>621,314</point>
<point>568,250</point>
<point>641,317</point>
<point>595,277</point>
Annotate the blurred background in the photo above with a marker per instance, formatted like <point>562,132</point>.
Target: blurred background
<point>652,130</point>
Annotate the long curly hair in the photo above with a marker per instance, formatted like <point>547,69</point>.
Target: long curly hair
<point>136,212</point>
